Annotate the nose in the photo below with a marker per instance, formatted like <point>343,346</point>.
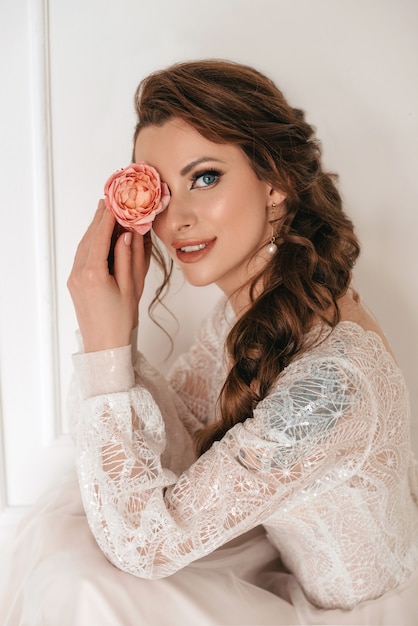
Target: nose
<point>179,215</point>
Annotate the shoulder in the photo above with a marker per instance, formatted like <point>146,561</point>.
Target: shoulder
<point>326,406</point>
<point>350,347</point>
<point>342,378</point>
<point>329,382</point>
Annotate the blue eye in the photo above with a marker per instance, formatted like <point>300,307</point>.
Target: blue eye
<point>205,179</point>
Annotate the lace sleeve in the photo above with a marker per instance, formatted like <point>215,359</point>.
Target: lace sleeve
<point>306,437</point>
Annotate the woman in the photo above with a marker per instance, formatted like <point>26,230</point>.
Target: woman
<point>270,479</point>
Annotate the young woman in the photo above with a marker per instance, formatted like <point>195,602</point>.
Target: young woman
<point>269,479</point>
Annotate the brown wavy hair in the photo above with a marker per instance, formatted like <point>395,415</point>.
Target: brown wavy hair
<point>235,104</point>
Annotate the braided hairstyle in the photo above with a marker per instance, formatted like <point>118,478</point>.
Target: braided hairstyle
<point>230,103</point>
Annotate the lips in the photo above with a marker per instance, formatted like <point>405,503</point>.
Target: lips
<point>192,251</point>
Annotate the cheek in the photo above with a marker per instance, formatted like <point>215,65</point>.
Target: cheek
<point>250,212</point>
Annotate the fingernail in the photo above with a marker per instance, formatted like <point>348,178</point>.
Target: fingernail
<point>127,239</point>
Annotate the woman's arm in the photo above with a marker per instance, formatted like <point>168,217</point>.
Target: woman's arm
<point>106,305</point>
<point>147,519</point>
<point>151,522</point>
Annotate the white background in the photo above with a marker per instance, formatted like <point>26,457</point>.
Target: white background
<point>68,75</point>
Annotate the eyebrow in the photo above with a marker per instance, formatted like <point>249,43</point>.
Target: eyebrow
<point>193,164</point>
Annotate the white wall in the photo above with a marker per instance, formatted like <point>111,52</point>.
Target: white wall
<point>68,74</point>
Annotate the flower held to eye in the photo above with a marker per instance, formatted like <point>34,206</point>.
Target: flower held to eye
<point>135,195</point>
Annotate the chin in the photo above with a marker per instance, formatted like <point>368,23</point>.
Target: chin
<point>196,282</point>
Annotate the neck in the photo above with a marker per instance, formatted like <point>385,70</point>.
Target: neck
<point>240,298</point>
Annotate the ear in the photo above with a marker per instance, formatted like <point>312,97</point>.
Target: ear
<point>276,196</point>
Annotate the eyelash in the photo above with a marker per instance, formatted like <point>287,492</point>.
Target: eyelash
<point>207,172</point>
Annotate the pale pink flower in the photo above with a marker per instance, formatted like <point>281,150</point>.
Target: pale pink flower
<point>135,195</point>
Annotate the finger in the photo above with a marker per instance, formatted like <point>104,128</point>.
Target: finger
<point>123,263</point>
<point>100,239</point>
<point>117,231</point>
<point>84,245</point>
<point>148,246</point>
<point>140,261</point>
<point>97,218</point>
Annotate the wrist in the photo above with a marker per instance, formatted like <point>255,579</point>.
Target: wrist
<point>102,345</point>
<point>104,341</point>
<point>133,342</point>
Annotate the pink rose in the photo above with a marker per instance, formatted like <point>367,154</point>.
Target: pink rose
<point>135,195</point>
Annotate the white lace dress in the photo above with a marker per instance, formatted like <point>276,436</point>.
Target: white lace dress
<point>307,513</point>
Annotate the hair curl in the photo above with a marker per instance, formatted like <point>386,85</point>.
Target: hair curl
<point>231,103</point>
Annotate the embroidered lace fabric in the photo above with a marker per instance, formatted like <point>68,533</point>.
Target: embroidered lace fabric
<point>324,464</point>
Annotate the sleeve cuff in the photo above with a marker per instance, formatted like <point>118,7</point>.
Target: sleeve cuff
<point>106,371</point>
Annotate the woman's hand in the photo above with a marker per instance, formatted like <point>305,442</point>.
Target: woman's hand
<point>106,304</point>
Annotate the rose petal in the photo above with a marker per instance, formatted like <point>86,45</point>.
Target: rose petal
<point>135,195</point>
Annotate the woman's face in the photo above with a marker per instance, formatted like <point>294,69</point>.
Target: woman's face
<point>219,211</point>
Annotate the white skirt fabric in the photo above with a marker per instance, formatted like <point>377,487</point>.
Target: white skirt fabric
<point>59,577</point>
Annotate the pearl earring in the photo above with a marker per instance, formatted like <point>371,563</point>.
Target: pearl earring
<point>272,247</point>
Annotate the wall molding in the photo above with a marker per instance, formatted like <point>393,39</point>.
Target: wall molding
<point>43,205</point>
<point>3,482</point>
